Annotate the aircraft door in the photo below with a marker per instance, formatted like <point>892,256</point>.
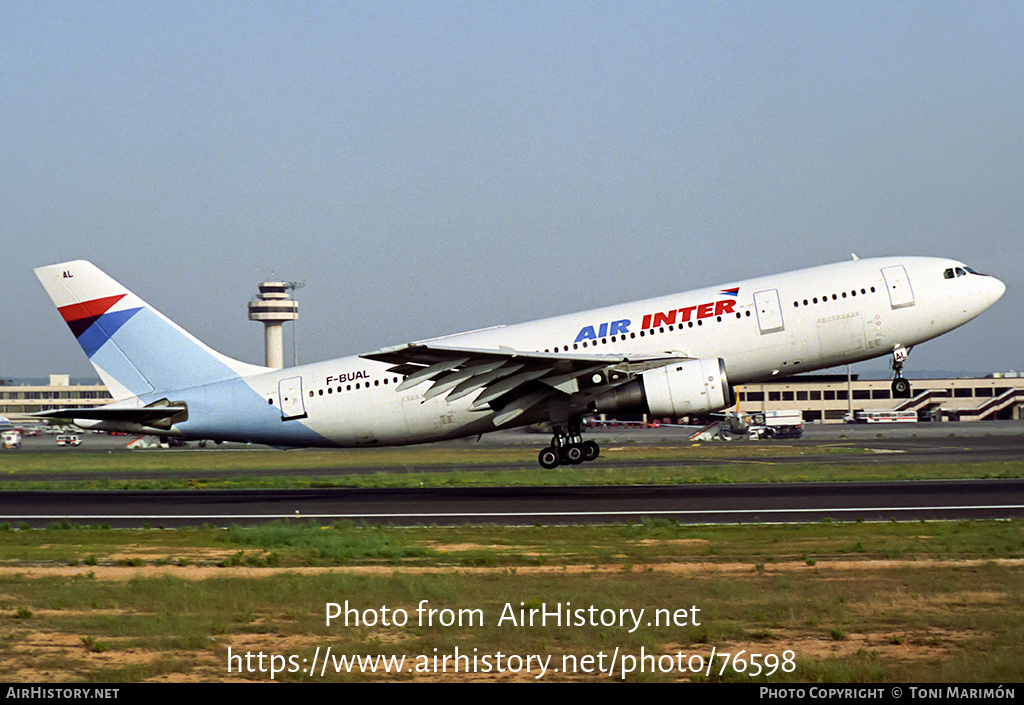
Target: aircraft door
<point>898,283</point>
<point>293,406</point>
<point>769,311</point>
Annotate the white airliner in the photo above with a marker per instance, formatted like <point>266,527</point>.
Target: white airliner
<point>675,355</point>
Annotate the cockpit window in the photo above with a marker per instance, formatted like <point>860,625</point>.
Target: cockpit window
<point>954,272</point>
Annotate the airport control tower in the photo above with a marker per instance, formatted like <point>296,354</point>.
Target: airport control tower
<point>272,307</point>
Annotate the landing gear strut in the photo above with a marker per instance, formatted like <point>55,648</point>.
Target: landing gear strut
<point>568,447</point>
<point>900,385</point>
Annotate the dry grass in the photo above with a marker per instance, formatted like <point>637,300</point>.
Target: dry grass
<point>845,618</point>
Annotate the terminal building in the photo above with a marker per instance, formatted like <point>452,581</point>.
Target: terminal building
<point>833,398</point>
<point>58,394</point>
<point>821,398</point>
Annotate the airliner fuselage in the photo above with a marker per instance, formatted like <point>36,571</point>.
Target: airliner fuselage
<point>671,355</point>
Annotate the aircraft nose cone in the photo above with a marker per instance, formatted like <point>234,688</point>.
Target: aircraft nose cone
<point>996,290</point>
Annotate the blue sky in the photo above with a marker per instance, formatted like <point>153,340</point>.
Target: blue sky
<point>431,167</point>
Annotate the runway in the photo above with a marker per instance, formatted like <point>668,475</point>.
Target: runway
<point>692,504</point>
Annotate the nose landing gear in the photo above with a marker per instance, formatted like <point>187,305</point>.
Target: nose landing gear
<point>900,385</point>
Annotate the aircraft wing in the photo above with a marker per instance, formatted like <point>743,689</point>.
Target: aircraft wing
<point>511,382</point>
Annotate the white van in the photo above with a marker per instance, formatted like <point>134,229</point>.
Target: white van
<point>12,439</point>
<point>68,439</point>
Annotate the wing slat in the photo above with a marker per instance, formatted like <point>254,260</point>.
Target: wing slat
<point>429,371</point>
<point>507,385</point>
<point>446,382</point>
<point>475,383</point>
<point>516,408</point>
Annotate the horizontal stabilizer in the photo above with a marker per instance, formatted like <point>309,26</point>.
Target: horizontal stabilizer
<point>145,416</point>
<point>160,414</point>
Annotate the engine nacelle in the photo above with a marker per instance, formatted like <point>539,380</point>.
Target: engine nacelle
<point>679,389</point>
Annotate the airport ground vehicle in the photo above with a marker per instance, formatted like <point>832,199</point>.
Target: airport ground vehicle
<point>11,439</point>
<point>779,423</point>
<point>883,416</point>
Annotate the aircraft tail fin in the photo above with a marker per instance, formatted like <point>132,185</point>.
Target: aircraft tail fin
<point>134,348</point>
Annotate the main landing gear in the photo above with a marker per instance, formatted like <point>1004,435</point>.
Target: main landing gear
<point>900,385</point>
<point>568,447</point>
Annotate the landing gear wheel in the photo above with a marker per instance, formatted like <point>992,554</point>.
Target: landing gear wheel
<point>548,458</point>
<point>573,454</point>
<point>901,388</point>
<point>567,445</point>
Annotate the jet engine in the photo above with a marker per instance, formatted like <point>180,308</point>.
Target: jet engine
<point>679,389</point>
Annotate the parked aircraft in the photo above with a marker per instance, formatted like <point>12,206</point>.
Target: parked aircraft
<point>674,356</point>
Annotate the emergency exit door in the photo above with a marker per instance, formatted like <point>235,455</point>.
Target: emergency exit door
<point>293,406</point>
<point>769,311</point>
<point>898,283</point>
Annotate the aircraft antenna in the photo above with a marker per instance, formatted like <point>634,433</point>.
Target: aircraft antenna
<point>295,324</point>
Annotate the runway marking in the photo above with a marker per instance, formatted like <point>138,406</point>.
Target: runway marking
<point>508,514</point>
